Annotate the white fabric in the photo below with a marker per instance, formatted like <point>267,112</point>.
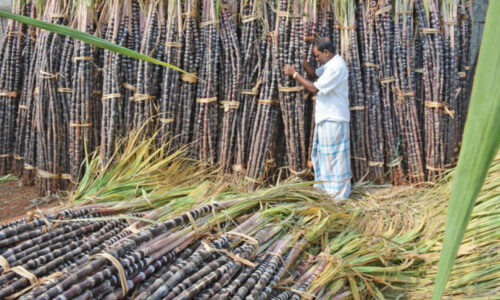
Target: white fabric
<point>332,99</point>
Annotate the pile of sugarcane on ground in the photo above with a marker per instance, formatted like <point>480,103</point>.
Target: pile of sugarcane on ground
<point>61,99</point>
<point>154,232</point>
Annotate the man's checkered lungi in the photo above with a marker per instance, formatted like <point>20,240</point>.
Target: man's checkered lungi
<point>330,158</point>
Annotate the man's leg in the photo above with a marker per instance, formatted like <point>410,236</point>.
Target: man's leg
<point>333,158</point>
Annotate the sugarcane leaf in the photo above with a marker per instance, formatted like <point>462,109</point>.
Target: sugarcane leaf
<point>87,38</point>
<point>480,144</point>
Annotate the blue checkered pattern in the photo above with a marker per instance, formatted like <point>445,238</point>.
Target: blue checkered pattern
<point>330,158</point>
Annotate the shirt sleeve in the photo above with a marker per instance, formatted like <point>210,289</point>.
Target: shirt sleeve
<point>319,71</point>
<point>329,80</point>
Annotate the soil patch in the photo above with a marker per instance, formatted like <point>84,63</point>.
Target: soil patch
<point>17,199</point>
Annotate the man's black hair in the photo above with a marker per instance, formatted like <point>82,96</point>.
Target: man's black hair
<point>323,44</point>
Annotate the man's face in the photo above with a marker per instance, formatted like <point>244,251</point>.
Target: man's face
<point>321,57</point>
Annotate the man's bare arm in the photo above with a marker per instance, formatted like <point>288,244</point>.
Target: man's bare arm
<point>307,84</point>
<point>309,70</point>
<point>291,71</point>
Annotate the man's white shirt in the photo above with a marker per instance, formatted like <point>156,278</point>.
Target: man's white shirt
<point>332,99</point>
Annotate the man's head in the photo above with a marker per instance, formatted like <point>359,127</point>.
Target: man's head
<point>323,50</point>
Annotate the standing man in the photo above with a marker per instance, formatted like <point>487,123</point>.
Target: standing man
<point>330,152</point>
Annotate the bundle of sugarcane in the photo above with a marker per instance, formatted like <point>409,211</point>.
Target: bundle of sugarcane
<point>113,105</point>
<point>191,59</point>
<point>405,101</point>
<point>133,14</point>
<point>51,159</point>
<point>267,113</point>
<point>206,110</point>
<point>435,108</point>
<point>451,39</point>
<point>464,66</point>
<point>81,125</point>
<point>252,43</point>
<point>345,13</point>
<point>24,114</point>
<point>392,139</point>
<point>144,102</point>
<point>374,129</point>
<point>43,246</point>
<point>230,83</point>
<point>11,80</point>
<point>170,105</point>
<point>312,17</point>
<point>290,39</point>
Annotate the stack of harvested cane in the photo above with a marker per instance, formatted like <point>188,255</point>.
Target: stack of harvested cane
<point>125,237</point>
<point>61,98</point>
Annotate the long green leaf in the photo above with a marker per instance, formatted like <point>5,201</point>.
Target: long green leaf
<point>480,145</point>
<point>87,38</point>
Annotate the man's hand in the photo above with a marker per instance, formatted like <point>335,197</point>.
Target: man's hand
<point>289,70</point>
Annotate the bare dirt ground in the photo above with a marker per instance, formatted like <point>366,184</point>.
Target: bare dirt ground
<point>16,200</point>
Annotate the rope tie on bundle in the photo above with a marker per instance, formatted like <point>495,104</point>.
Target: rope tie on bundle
<point>249,18</point>
<point>28,167</point>
<point>191,13</point>
<point>359,107</point>
<point>116,263</point>
<point>353,27</point>
<point>64,90</point>
<point>193,224</point>
<point>4,264</point>
<point>49,175</point>
<point>290,89</point>
<point>375,163</point>
<point>26,107</point>
<point>358,158</point>
<point>5,155</point>
<point>234,257</point>
<point>111,96</point>
<point>173,45</point>
<point>438,105</point>
<point>395,162</point>
<point>369,64</point>
<point>254,90</point>
<point>430,30</point>
<point>128,86</point>
<point>206,100</point>
<point>238,168</point>
<point>9,94</point>
<point>298,173</point>
<point>209,22</point>
<point>285,14</point>
<point>46,75</point>
<point>190,77</point>
<point>462,74</point>
<point>421,70</point>
<point>166,120</point>
<point>80,124</point>
<point>84,58</point>
<point>142,97</point>
<point>246,238</point>
<point>385,81</point>
<point>384,9</point>
<point>229,105</point>
<point>27,274</point>
<point>18,157</point>
<point>268,102</point>
<point>97,92</point>
<point>435,169</point>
